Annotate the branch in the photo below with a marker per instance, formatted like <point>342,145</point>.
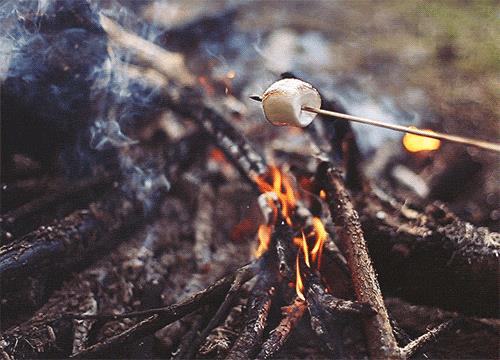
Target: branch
<point>381,341</point>
<point>292,314</point>
<point>162,316</point>
<point>430,256</point>
<point>429,337</point>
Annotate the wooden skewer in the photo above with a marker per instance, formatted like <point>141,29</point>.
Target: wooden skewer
<point>406,129</point>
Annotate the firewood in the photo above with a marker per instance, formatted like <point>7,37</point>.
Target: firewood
<point>189,103</point>
<point>292,314</point>
<point>380,338</point>
<point>258,307</point>
<point>11,220</point>
<point>219,342</point>
<point>234,291</point>
<point>430,256</point>
<point>64,244</point>
<point>185,350</point>
<point>66,236</point>
<point>170,64</point>
<point>162,316</point>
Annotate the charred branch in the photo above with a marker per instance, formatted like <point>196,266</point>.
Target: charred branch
<point>11,220</point>
<point>162,316</point>
<point>234,292</point>
<point>66,243</point>
<point>292,315</point>
<point>188,102</point>
<point>430,256</point>
<point>258,306</point>
<point>218,343</point>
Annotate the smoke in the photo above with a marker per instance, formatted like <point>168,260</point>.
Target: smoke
<point>67,97</point>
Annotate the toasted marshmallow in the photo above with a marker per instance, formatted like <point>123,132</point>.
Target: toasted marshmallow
<point>284,99</point>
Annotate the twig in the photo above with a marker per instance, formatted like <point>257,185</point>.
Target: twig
<point>240,279</point>
<point>185,351</point>
<point>66,193</point>
<point>432,335</point>
<point>336,306</point>
<point>380,338</point>
<point>218,343</point>
<point>259,305</point>
<point>292,314</point>
<point>162,316</point>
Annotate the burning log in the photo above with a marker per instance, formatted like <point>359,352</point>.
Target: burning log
<point>429,257</point>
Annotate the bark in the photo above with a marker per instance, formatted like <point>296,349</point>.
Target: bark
<point>380,338</point>
<point>431,256</point>
<point>258,306</point>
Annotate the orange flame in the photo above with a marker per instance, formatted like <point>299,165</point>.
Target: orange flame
<point>321,236</point>
<point>322,194</point>
<point>299,285</point>
<point>415,143</point>
<point>264,235</point>
<point>305,249</point>
<point>281,185</point>
<point>283,188</point>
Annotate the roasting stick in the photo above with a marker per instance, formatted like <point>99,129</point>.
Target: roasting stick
<point>408,129</point>
<point>293,102</point>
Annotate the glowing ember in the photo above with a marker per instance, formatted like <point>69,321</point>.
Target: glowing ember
<point>322,194</point>
<point>299,285</point>
<point>415,143</point>
<point>217,155</point>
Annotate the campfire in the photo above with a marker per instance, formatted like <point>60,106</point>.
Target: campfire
<point>149,209</point>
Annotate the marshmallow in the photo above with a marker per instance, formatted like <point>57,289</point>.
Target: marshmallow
<point>284,99</point>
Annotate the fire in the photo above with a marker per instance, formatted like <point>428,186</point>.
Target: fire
<point>415,143</point>
<point>321,236</point>
<point>264,235</point>
<point>281,185</point>
<point>322,194</point>
<point>305,249</point>
<point>299,285</point>
<point>283,188</point>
